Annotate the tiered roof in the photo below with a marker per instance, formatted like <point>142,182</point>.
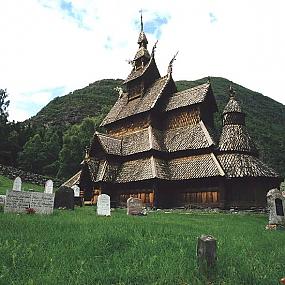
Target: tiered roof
<point>148,168</point>
<point>124,108</point>
<point>192,137</point>
<point>238,153</point>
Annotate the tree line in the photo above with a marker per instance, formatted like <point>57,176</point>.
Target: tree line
<point>51,151</point>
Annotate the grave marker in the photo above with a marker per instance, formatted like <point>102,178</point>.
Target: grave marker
<point>21,201</point>
<point>206,252</point>
<point>2,202</point>
<point>49,187</point>
<point>135,206</point>
<point>64,198</point>
<point>17,184</point>
<point>103,205</point>
<point>2,199</point>
<point>276,207</point>
<point>76,190</point>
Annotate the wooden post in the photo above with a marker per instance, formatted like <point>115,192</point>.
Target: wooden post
<point>206,252</point>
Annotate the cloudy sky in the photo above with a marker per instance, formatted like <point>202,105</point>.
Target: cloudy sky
<point>51,47</point>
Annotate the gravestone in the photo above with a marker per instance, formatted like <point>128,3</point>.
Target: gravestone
<point>64,198</point>
<point>78,200</point>
<point>76,190</point>
<point>2,199</point>
<point>276,207</point>
<point>17,184</point>
<point>135,206</point>
<point>49,187</point>
<point>21,201</point>
<point>103,205</point>
<point>2,202</point>
<point>206,252</point>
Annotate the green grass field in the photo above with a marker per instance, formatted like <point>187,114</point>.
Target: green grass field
<point>78,247</point>
<point>7,184</point>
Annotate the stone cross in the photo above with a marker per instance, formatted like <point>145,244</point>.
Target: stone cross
<point>76,190</point>
<point>17,185</point>
<point>103,205</point>
<point>134,206</point>
<point>276,207</point>
<point>49,187</point>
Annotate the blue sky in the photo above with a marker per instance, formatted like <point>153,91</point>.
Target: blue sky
<point>55,46</point>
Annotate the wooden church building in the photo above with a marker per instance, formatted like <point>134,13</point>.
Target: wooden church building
<point>159,146</point>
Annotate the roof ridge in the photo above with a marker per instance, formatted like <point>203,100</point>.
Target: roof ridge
<point>192,88</point>
<point>168,76</point>
<point>217,164</point>
<point>153,168</point>
<point>207,134</point>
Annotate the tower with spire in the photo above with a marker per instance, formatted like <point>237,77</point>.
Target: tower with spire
<point>248,178</point>
<point>159,145</point>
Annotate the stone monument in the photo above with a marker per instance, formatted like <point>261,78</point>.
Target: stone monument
<point>23,201</point>
<point>49,187</point>
<point>103,205</point>
<point>17,185</point>
<point>64,198</point>
<point>276,207</point>
<point>76,190</point>
<point>135,207</point>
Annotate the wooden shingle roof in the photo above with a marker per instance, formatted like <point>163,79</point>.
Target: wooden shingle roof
<point>235,138</point>
<point>200,166</point>
<point>124,108</point>
<point>244,165</point>
<point>187,97</point>
<point>192,137</point>
<point>186,168</point>
<point>135,73</point>
<point>232,106</point>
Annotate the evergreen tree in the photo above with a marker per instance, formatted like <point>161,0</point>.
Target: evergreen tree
<point>74,142</point>
<point>4,128</point>
<point>32,158</point>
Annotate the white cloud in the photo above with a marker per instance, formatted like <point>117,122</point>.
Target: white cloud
<point>45,47</point>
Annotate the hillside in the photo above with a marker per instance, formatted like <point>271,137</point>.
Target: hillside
<point>265,117</point>
<point>91,101</point>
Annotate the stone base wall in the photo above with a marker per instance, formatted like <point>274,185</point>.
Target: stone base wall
<point>12,173</point>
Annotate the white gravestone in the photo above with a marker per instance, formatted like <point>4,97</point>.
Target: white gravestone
<point>17,185</point>
<point>49,187</point>
<point>76,190</point>
<point>2,200</point>
<point>276,207</point>
<point>103,205</point>
<point>135,206</point>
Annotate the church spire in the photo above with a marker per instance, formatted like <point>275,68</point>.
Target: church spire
<point>142,40</point>
<point>141,21</point>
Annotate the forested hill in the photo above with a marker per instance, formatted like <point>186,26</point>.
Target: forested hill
<point>265,117</point>
<point>52,143</point>
<point>94,100</point>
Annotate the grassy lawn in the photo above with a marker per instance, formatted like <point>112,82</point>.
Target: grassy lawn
<point>6,184</point>
<point>78,247</point>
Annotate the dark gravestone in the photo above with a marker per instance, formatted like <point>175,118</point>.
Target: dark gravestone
<point>64,198</point>
<point>279,207</point>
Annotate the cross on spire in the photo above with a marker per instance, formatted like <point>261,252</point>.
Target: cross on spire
<point>232,91</point>
<point>141,20</point>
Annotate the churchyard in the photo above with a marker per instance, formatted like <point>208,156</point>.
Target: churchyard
<point>86,246</point>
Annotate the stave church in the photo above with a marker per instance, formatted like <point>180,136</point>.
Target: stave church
<point>160,146</point>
